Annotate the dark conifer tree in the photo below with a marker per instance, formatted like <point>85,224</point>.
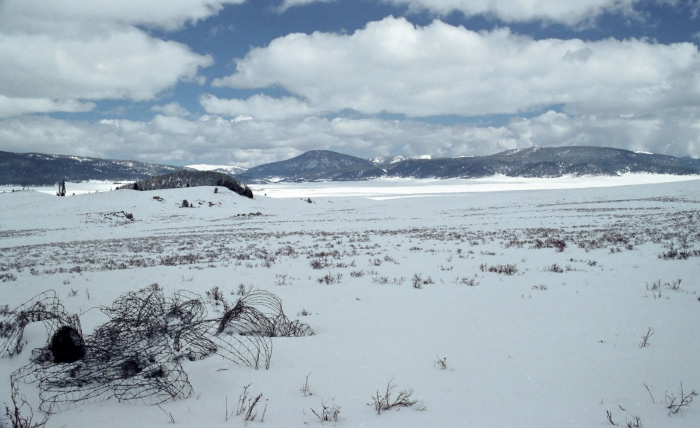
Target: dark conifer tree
<point>62,188</point>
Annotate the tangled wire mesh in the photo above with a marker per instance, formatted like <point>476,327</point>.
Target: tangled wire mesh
<point>45,308</point>
<point>137,354</point>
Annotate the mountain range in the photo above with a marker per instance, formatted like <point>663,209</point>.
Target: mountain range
<point>324,165</point>
<point>531,162</point>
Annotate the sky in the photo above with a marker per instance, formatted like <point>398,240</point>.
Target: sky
<point>247,82</point>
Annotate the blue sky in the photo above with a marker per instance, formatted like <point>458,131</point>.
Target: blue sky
<point>246,82</point>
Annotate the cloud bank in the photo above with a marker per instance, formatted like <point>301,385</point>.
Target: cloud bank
<point>246,141</point>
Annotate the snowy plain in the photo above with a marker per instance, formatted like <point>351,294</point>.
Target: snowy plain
<point>499,302</point>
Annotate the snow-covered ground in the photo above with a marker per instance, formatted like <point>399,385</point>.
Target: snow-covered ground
<point>531,297</point>
<point>80,188</point>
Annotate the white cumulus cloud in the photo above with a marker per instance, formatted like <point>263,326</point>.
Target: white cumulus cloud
<point>10,107</point>
<point>394,66</point>
<point>62,17</point>
<point>581,13</point>
<point>125,64</point>
<point>172,109</point>
<point>286,4</point>
<point>62,54</point>
<point>258,106</point>
<point>565,12</point>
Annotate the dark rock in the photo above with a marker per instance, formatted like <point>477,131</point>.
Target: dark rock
<point>67,345</point>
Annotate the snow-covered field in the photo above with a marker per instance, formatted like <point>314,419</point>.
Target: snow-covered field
<point>79,188</point>
<point>498,302</point>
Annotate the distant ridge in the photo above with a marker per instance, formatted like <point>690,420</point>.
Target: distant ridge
<point>35,169</point>
<point>531,162</point>
<point>226,169</point>
<point>547,162</point>
<point>315,165</point>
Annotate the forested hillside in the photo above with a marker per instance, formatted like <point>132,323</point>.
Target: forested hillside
<point>188,178</point>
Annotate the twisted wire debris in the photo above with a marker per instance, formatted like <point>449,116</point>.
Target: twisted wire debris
<point>137,355</point>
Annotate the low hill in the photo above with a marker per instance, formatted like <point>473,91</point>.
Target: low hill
<point>189,178</point>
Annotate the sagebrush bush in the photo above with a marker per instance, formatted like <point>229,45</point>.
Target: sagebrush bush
<point>385,399</point>
<point>508,269</point>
